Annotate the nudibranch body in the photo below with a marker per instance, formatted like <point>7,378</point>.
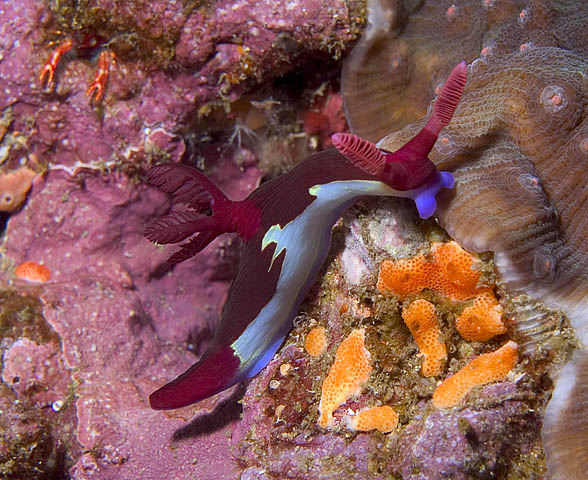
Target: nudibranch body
<point>286,224</point>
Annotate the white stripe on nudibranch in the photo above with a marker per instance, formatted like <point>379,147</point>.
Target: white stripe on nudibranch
<point>304,239</point>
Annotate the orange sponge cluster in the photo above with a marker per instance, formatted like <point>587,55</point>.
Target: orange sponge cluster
<point>383,419</point>
<point>315,342</point>
<point>351,369</point>
<point>483,320</point>
<point>486,368</point>
<point>449,272</point>
<point>422,322</point>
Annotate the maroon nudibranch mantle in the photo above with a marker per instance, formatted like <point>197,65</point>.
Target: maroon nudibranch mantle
<point>286,224</point>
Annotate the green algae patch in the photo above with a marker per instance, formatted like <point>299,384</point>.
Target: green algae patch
<point>28,448</point>
<point>21,317</point>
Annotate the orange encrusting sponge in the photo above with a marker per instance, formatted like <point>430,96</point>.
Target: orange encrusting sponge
<point>482,320</point>
<point>405,276</point>
<point>488,367</point>
<point>383,419</point>
<point>32,272</point>
<point>455,278</point>
<point>449,272</point>
<point>315,342</point>
<point>422,322</point>
<point>351,369</point>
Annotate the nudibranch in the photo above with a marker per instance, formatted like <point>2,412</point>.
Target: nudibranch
<point>286,225</point>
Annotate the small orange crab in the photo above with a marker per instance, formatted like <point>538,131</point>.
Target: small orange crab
<point>82,45</point>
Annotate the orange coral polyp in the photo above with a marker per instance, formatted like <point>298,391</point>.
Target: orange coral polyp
<point>33,272</point>
<point>315,342</point>
<point>486,368</point>
<point>421,320</point>
<point>384,419</point>
<point>483,320</point>
<point>351,369</point>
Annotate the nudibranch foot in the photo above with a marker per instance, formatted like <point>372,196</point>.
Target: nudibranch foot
<point>202,209</point>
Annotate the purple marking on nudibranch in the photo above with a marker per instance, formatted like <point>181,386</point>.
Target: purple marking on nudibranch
<point>286,224</point>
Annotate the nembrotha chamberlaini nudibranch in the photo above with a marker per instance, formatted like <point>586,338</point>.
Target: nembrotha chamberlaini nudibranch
<point>286,225</point>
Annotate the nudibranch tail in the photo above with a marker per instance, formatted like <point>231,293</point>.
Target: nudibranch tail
<point>204,211</point>
<point>214,373</point>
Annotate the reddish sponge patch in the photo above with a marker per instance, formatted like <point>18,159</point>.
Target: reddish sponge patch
<point>451,272</point>
<point>456,276</point>
<point>483,320</point>
<point>33,272</point>
<point>403,277</point>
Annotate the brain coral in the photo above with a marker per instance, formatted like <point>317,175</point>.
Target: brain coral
<point>517,144</point>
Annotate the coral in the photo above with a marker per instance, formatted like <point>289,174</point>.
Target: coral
<point>422,322</point>
<point>315,342</point>
<point>514,152</point>
<point>32,272</point>
<point>482,320</point>
<point>351,369</point>
<point>486,368</point>
<point>451,272</point>
<point>384,419</point>
<point>14,187</point>
<point>566,426</point>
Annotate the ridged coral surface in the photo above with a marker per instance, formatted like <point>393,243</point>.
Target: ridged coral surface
<point>517,145</point>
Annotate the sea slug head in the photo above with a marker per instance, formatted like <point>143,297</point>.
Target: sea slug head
<point>409,169</point>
